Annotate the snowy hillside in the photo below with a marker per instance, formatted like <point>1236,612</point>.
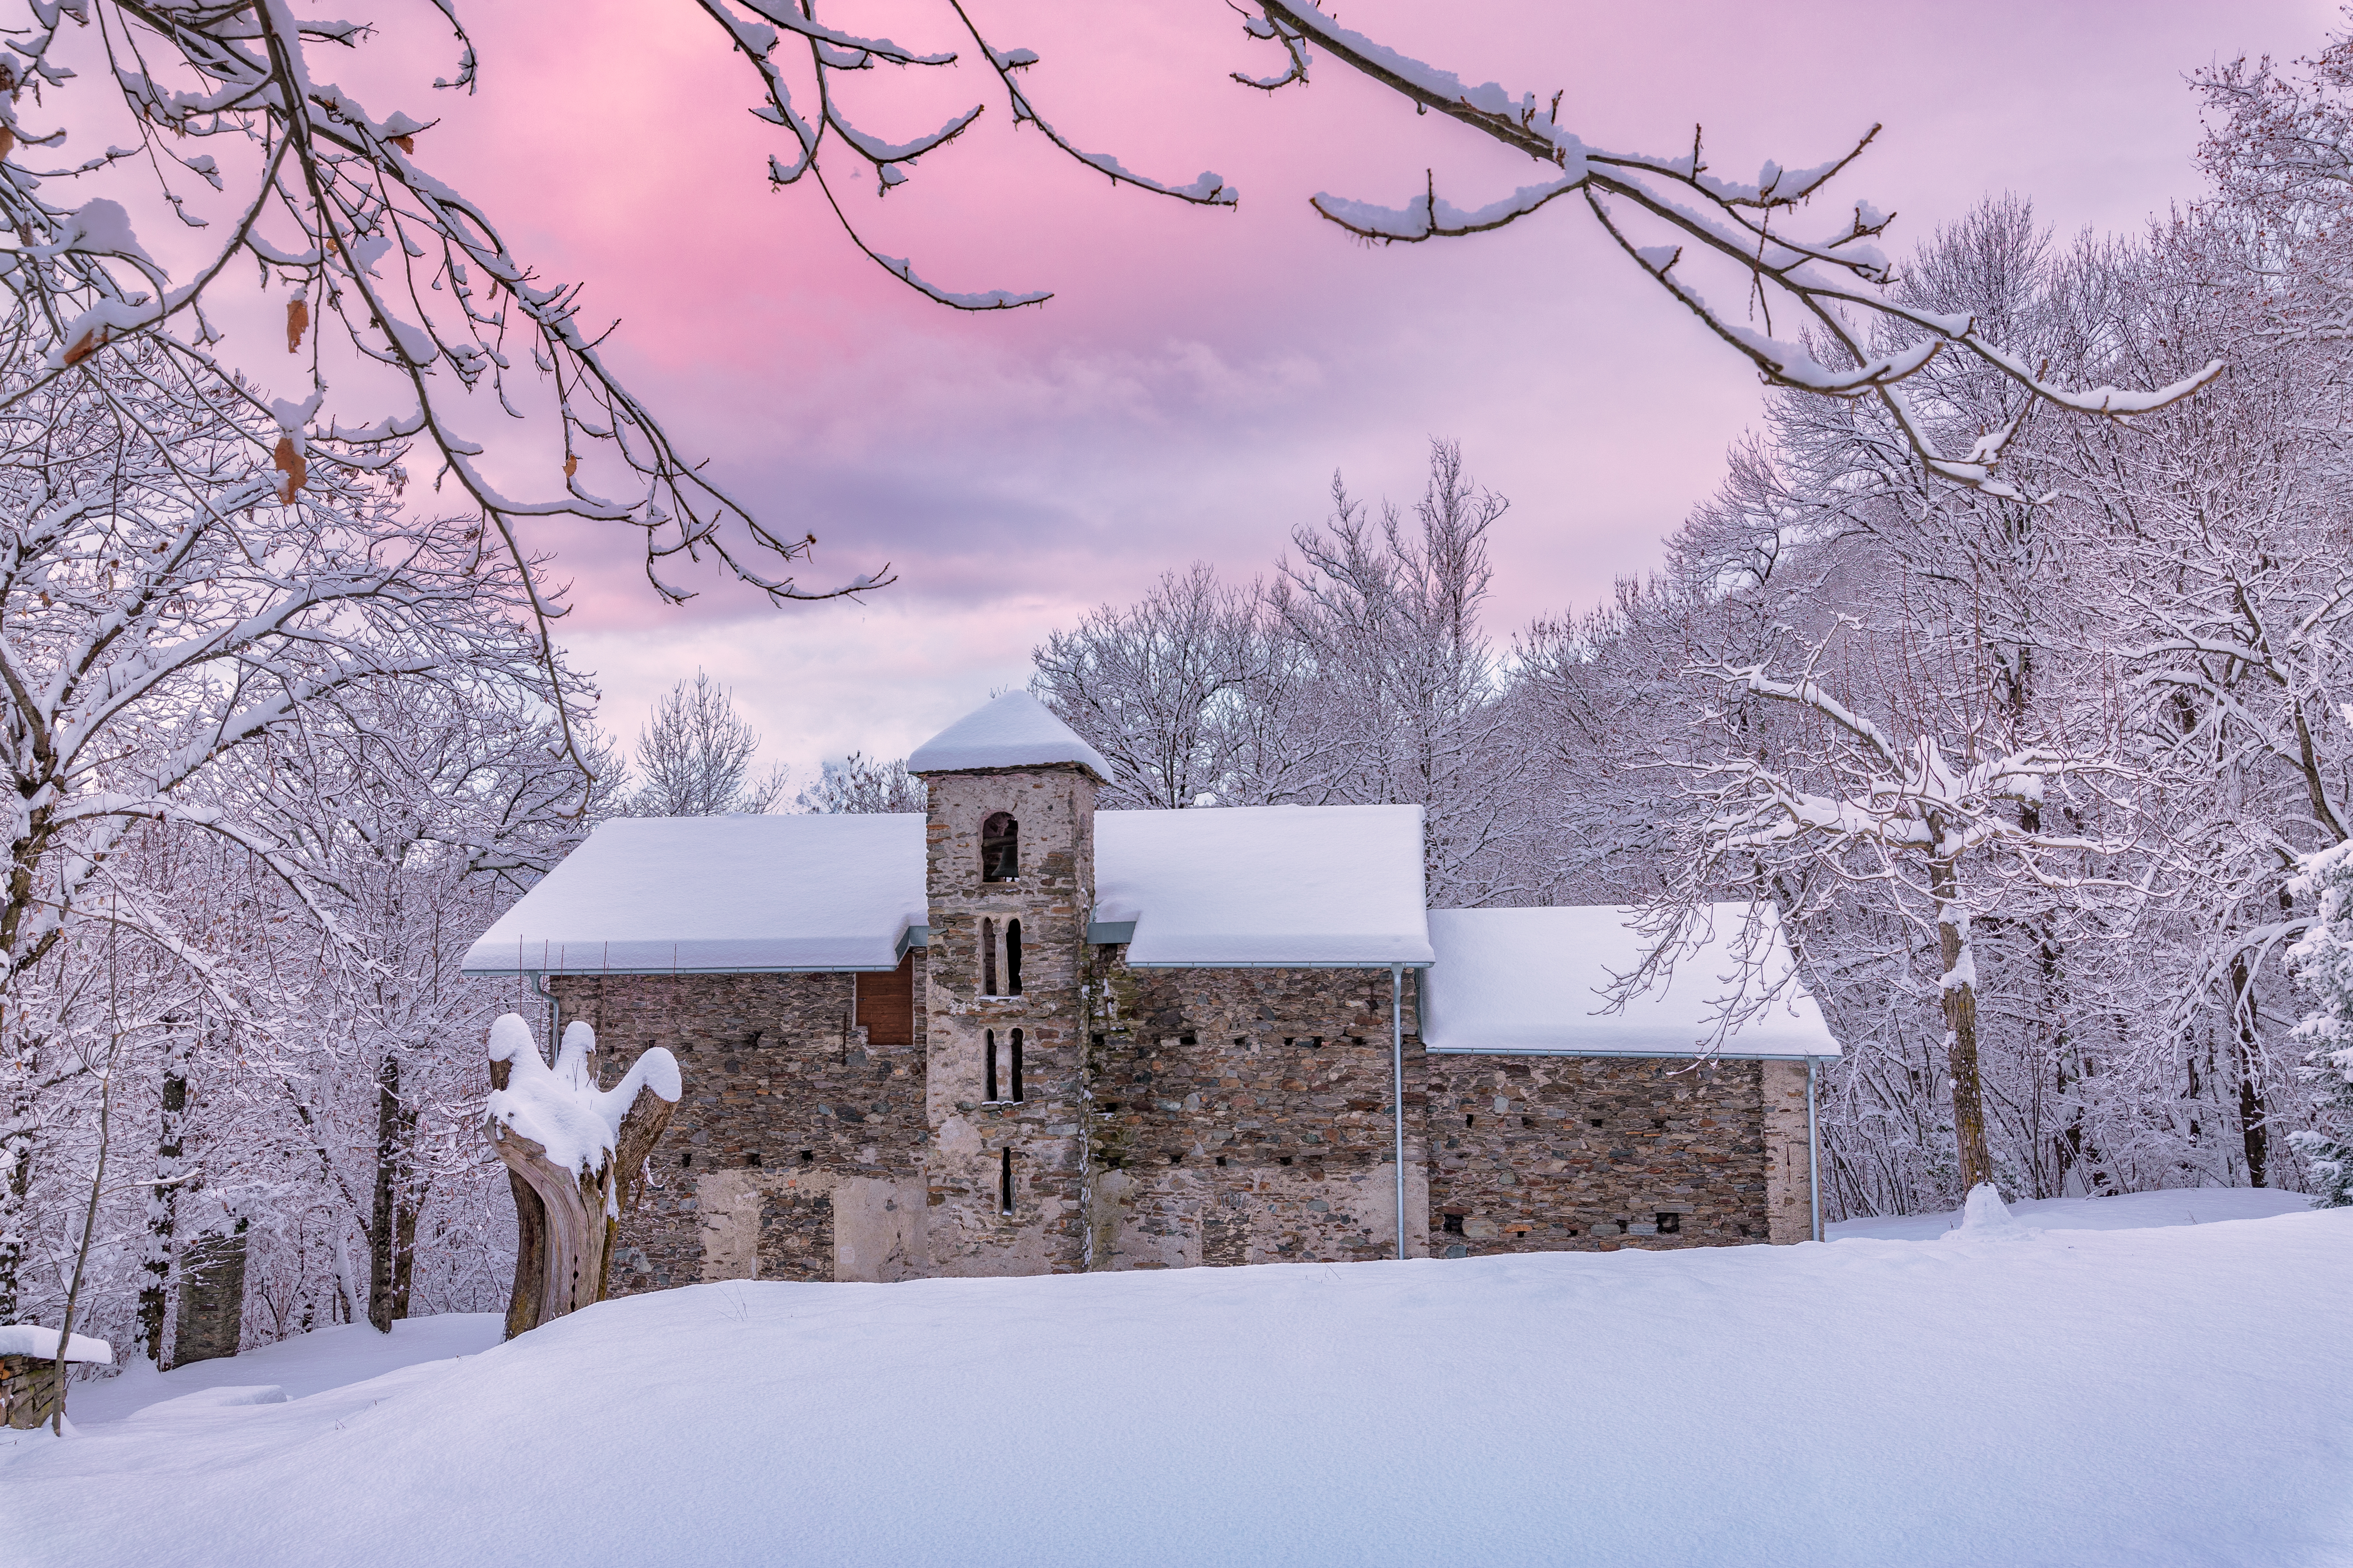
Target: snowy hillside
<point>2180,1395</point>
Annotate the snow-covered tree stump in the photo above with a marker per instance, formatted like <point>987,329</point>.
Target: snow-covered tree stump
<point>575,1155</point>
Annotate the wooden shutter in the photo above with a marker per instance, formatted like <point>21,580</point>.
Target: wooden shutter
<point>886,1005</point>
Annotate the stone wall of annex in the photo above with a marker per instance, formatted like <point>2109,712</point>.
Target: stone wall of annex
<point>796,1152</point>
<point>1569,1153</point>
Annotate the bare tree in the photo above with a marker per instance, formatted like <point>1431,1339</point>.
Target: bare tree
<point>1158,688</point>
<point>862,783</point>
<point>170,603</point>
<point>1938,821</point>
<point>1405,681</point>
<point>694,757</point>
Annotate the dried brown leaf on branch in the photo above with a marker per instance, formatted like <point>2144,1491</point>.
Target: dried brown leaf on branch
<point>571,465</point>
<point>297,321</point>
<point>8,140</point>
<point>289,462</point>
<point>86,345</point>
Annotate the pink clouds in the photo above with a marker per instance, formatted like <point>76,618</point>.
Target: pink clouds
<point>1200,373</point>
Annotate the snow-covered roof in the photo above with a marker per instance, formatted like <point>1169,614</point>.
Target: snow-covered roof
<point>1017,730</point>
<point>1337,886</point>
<point>718,895</point>
<point>31,1339</point>
<point>1532,982</point>
<point>1329,886</point>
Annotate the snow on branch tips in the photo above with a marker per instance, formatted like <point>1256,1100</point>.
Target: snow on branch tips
<point>1837,287</point>
<point>576,1154</point>
<point>829,52</point>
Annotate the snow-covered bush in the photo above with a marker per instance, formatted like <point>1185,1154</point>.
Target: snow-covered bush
<point>2324,963</point>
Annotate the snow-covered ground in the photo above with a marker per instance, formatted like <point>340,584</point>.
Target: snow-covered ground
<point>2125,1211</point>
<point>2036,1395</point>
<point>299,1367</point>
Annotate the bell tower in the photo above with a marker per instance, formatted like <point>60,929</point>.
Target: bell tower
<point>1010,885</point>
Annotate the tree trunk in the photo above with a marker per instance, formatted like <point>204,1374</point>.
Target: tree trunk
<point>403,1255</point>
<point>530,1256</point>
<point>15,1172</point>
<point>383,1220</point>
<point>163,1203</point>
<point>1961,1028</point>
<point>2254,1133</point>
<point>565,1222</point>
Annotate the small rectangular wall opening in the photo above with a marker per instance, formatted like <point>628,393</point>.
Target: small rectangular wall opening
<point>1005,1182</point>
<point>989,959</point>
<point>1017,1066</point>
<point>988,1068</point>
<point>1012,960</point>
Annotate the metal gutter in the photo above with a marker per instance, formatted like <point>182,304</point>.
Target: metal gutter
<point>1293,964</point>
<point>684,970</point>
<point>1629,1055</point>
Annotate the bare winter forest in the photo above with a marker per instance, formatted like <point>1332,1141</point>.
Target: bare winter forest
<point>2025,700</point>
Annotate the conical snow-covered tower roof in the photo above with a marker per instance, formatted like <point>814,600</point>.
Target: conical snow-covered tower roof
<point>1017,730</point>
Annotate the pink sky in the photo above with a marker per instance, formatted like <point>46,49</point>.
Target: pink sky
<point>1200,373</point>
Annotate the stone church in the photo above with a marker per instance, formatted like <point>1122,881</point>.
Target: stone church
<point>1021,1035</point>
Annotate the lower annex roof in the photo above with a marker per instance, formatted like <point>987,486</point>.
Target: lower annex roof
<point>1534,981</point>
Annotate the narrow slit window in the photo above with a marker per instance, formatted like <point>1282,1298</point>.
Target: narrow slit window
<point>1005,1182</point>
<point>1017,1066</point>
<point>1013,959</point>
<point>1000,847</point>
<point>988,1072</point>
<point>988,958</point>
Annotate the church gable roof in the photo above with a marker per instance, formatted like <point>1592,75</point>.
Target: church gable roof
<point>1314,885</point>
<point>718,895</point>
<point>1016,731</point>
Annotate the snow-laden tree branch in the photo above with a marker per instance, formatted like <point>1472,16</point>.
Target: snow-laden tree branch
<point>1951,826</point>
<point>329,201</point>
<point>175,614</point>
<point>1834,285</point>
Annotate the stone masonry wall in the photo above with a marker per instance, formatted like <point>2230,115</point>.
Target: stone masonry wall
<point>28,1390</point>
<point>1573,1153</point>
<point>1222,1117</point>
<point>1242,1116</point>
<point>1788,1154</point>
<point>796,1151</point>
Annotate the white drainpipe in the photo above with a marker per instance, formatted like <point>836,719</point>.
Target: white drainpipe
<point>1397,1065</point>
<point>539,985</point>
<point>1813,1151</point>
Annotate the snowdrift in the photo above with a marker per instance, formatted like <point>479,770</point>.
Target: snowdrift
<point>2169,1396</point>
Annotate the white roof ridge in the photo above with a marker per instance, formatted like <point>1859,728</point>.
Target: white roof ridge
<point>1015,731</point>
